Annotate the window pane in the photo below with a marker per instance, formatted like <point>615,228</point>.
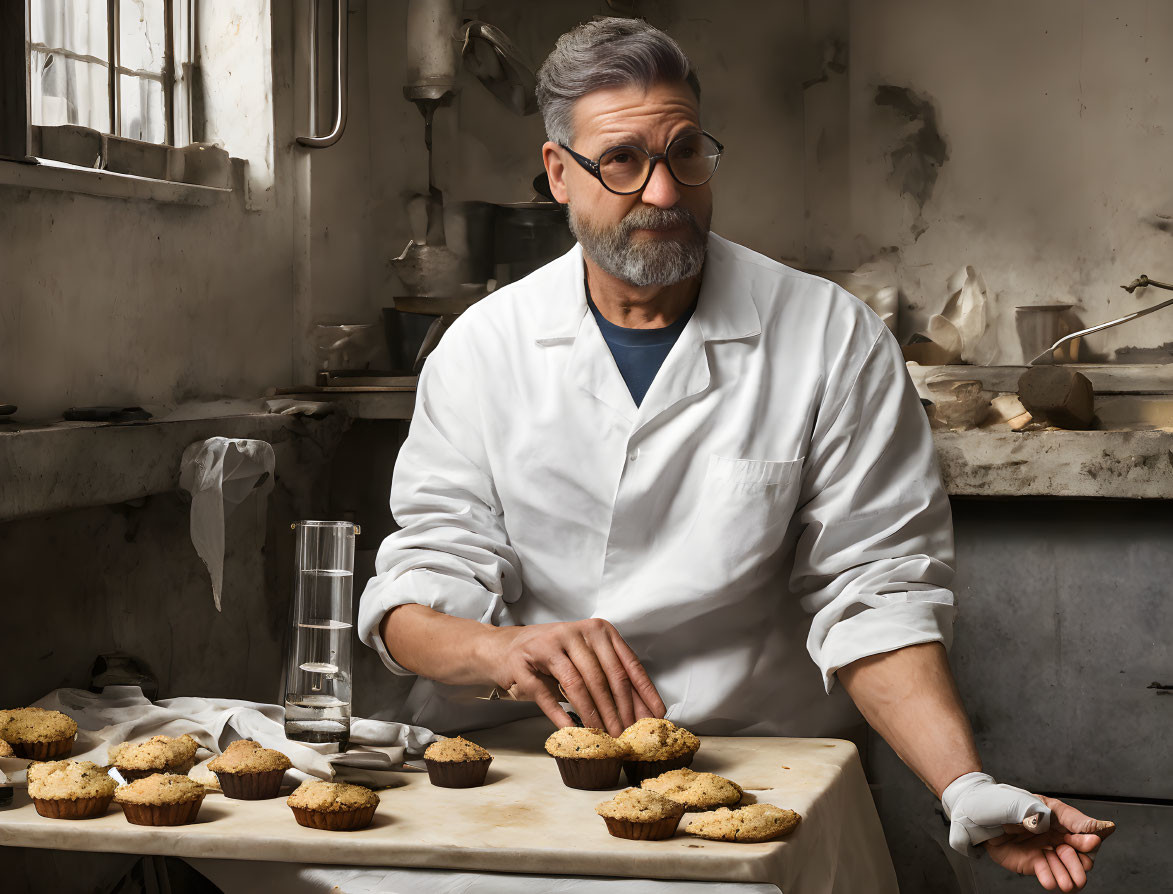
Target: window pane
<point>75,25</point>
<point>141,35</point>
<point>142,109</point>
<point>66,91</point>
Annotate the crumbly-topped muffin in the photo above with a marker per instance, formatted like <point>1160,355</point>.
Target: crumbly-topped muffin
<point>157,754</point>
<point>456,750</point>
<point>68,780</point>
<point>69,789</point>
<point>333,806</point>
<point>696,791</point>
<point>640,815</point>
<point>160,788</point>
<point>580,742</point>
<point>161,799</point>
<point>6,749</point>
<point>655,739</point>
<point>248,772</point>
<point>638,806</point>
<point>754,822</point>
<point>457,763</point>
<point>247,756</point>
<point>38,734</point>
<point>331,797</point>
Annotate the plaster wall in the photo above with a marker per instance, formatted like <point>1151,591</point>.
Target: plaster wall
<point>1028,139</point>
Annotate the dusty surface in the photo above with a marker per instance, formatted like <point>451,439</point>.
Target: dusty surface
<point>524,820</point>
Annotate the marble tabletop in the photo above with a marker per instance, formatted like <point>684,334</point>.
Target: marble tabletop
<point>524,820</point>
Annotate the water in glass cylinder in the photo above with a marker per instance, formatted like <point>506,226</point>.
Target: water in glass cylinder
<point>318,692</point>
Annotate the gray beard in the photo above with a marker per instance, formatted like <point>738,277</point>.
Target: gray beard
<point>657,262</point>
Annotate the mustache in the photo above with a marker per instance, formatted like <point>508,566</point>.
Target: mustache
<point>651,217</point>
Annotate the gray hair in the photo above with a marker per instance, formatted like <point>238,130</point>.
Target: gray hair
<point>606,52</point>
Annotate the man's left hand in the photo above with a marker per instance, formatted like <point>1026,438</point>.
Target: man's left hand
<point>1059,858</point>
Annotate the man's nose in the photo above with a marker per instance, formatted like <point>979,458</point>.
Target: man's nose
<point>661,191</point>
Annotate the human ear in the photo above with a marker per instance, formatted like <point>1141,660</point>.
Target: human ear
<point>556,171</point>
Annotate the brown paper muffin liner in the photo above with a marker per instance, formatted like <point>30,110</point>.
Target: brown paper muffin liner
<point>251,786</point>
<point>591,773</point>
<point>178,770</point>
<point>338,821</point>
<point>163,814</point>
<point>44,751</point>
<point>458,774</point>
<point>654,831</point>
<point>638,771</point>
<point>73,808</point>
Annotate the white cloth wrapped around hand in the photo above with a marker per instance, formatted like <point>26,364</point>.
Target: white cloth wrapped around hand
<point>978,807</point>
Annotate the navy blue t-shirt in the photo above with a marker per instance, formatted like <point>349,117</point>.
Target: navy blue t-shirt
<point>639,353</point>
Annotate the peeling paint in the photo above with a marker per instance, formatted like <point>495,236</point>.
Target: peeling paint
<point>918,157</point>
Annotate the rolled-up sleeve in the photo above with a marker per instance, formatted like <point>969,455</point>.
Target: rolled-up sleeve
<point>452,551</point>
<point>874,553</point>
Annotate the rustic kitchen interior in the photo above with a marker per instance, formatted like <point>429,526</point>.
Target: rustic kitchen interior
<point>226,257</point>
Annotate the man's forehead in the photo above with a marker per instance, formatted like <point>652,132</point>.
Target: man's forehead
<point>631,111</point>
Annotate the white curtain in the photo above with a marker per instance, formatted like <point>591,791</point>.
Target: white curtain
<point>71,87</point>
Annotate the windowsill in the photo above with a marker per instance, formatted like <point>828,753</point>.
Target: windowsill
<point>55,175</point>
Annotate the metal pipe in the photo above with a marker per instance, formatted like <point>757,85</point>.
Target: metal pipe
<point>340,96</point>
<point>1048,356</point>
<point>113,28</point>
<point>169,70</point>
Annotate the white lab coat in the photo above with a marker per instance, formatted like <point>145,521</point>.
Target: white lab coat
<point>771,512</point>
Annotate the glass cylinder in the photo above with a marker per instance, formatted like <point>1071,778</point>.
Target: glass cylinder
<point>318,677</point>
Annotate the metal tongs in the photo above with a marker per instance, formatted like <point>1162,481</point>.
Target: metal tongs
<point>1049,356</point>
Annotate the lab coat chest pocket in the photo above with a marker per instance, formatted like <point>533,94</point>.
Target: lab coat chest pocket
<point>741,519</point>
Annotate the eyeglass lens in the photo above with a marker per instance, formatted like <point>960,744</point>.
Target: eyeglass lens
<point>692,159</point>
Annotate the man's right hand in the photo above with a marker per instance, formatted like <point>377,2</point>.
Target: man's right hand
<point>589,661</point>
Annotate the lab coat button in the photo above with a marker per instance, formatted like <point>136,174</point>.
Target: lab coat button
<point>633,454</point>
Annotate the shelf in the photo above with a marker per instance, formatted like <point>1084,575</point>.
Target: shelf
<point>363,403</point>
<point>1136,465</point>
<point>73,465</point>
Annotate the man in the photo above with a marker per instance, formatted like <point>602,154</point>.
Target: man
<point>662,473</point>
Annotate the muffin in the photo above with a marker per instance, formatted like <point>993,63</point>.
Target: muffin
<point>695,791</point>
<point>587,758</point>
<point>457,763</point>
<point>249,772</point>
<point>37,734</point>
<point>640,815</point>
<point>754,822</point>
<point>333,806</point>
<point>161,799</point>
<point>656,747</point>
<point>159,754</point>
<point>6,749</point>
<point>70,789</point>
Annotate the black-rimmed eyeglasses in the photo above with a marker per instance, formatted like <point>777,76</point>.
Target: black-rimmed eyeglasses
<point>691,158</point>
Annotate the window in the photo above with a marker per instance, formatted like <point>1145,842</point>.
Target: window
<point>122,67</point>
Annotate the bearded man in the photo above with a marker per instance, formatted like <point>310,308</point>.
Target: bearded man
<point>667,476</point>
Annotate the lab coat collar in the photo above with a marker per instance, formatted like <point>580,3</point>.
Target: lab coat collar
<point>725,311</point>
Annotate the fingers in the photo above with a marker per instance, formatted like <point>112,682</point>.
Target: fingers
<point>564,670</point>
<point>1083,843</point>
<point>1077,821</point>
<point>1044,874</point>
<point>638,676</point>
<point>598,688</point>
<point>542,691</point>
<point>1069,857</point>
<point>617,679</point>
<point>1059,871</point>
<point>641,710</point>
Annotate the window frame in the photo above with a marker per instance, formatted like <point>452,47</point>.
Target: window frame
<point>116,71</point>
